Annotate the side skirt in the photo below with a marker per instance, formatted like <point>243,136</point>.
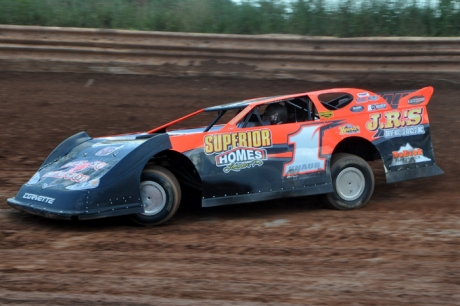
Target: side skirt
<point>264,196</point>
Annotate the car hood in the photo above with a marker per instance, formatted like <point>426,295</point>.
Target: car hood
<point>89,162</point>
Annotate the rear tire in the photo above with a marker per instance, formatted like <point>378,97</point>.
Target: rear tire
<point>160,195</point>
<point>352,180</point>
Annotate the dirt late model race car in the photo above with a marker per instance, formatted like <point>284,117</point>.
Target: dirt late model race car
<point>266,148</point>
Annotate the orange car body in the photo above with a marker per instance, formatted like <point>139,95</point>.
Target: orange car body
<point>241,164</point>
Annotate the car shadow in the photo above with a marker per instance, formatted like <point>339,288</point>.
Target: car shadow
<point>188,212</point>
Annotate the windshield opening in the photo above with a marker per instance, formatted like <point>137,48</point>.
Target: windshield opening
<point>202,121</point>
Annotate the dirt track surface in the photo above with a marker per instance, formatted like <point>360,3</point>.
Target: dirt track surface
<point>403,248</point>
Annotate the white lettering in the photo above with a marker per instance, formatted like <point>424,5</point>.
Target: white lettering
<point>34,197</point>
<point>232,157</point>
<point>241,154</point>
<point>408,131</point>
<point>223,159</point>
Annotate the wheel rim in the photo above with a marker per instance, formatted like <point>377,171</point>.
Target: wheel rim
<point>153,197</point>
<point>350,184</point>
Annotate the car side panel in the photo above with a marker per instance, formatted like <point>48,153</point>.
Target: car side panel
<point>259,163</point>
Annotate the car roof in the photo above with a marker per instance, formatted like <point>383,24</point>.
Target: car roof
<point>244,103</point>
<point>264,100</point>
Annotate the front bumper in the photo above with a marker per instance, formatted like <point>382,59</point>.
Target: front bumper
<point>68,214</point>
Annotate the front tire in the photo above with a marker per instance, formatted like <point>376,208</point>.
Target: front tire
<point>352,180</point>
<point>160,196</point>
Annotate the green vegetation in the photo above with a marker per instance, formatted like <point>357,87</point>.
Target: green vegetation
<point>349,18</point>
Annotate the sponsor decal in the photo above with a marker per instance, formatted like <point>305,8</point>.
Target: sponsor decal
<point>397,123</point>
<point>42,199</point>
<point>107,151</point>
<point>326,115</point>
<point>237,151</point>
<point>86,185</point>
<point>223,142</point>
<point>408,155</point>
<point>74,173</point>
<point>295,170</point>
<point>361,100</point>
<point>401,132</point>
<point>374,107</point>
<point>416,100</point>
<point>113,141</point>
<point>373,98</point>
<point>363,94</point>
<point>349,129</point>
<point>306,155</point>
<point>46,185</point>
<point>241,158</point>
<point>357,108</point>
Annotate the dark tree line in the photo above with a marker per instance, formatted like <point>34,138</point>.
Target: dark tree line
<point>348,18</point>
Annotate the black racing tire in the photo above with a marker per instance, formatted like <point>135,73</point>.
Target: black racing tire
<point>160,195</point>
<point>352,180</point>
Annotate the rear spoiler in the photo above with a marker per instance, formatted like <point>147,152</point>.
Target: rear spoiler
<point>407,98</point>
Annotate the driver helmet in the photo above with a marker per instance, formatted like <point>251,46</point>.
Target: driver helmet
<point>275,114</point>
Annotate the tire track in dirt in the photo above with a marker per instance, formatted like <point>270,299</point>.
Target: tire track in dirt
<point>245,258</point>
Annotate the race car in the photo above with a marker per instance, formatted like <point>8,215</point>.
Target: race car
<point>295,145</point>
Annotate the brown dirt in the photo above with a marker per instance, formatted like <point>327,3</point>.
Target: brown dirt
<point>403,248</point>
